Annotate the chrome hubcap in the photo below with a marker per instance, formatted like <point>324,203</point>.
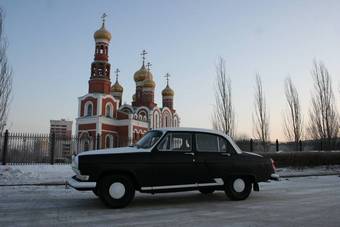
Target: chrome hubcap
<point>239,185</point>
<point>117,190</point>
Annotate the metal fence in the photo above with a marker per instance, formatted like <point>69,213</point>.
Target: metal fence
<point>303,145</point>
<point>46,148</point>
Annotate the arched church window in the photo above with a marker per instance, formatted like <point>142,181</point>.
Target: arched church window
<point>108,111</point>
<point>89,109</point>
<point>108,141</point>
<point>155,121</point>
<point>86,145</point>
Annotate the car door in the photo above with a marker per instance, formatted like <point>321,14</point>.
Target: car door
<point>172,161</point>
<point>215,157</point>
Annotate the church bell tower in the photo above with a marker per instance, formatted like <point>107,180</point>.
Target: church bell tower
<point>100,68</point>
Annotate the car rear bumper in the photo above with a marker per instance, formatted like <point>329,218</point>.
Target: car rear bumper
<point>80,185</point>
<point>275,176</point>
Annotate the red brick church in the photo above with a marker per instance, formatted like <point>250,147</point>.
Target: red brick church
<point>103,121</point>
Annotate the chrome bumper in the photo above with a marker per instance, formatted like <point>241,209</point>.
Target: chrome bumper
<point>80,185</point>
<point>275,176</point>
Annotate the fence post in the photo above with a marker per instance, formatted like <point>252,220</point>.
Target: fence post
<point>52,147</point>
<point>277,145</point>
<point>98,141</point>
<point>251,145</point>
<point>5,148</point>
<point>300,145</point>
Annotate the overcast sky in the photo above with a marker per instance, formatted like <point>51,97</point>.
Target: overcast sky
<point>51,48</point>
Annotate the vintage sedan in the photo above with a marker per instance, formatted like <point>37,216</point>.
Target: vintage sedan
<point>171,160</point>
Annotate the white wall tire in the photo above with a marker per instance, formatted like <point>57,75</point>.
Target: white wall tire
<point>116,191</point>
<point>238,187</point>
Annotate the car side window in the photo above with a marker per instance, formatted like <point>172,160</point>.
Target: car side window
<point>176,141</point>
<point>225,146</point>
<point>207,142</point>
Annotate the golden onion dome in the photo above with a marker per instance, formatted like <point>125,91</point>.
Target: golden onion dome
<point>142,74</point>
<point>167,91</point>
<point>117,87</point>
<point>102,33</point>
<point>148,76</point>
<point>149,83</point>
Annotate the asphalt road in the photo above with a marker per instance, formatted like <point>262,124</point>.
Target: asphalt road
<point>305,201</point>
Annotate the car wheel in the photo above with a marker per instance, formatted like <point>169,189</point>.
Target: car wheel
<point>206,191</point>
<point>238,188</point>
<point>116,191</point>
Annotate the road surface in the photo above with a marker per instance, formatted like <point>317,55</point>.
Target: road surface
<point>305,201</point>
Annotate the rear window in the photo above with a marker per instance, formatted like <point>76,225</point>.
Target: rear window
<point>206,142</point>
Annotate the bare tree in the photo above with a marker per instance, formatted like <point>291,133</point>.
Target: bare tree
<point>323,116</point>
<point>293,124</point>
<point>223,118</point>
<point>5,77</point>
<point>260,116</point>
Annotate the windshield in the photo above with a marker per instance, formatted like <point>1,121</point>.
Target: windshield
<point>149,139</point>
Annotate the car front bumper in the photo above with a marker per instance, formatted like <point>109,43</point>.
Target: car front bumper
<point>75,183</point>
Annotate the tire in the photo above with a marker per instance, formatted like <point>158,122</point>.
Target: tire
<point>206,191</point>
<point>96,192</point>
<point>116,191</point>
<point>238,187</point>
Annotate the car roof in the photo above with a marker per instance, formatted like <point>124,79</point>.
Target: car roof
<point>191,130</point>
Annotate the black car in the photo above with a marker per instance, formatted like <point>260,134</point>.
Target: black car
<point>171,160</point>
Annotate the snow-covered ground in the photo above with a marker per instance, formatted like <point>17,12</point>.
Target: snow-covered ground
<point>34,174</point>
<point>301,201</point>
<point>39,174</point>
<point>309,171</point>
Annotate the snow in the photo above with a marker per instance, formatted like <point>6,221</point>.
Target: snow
<point>50,174</point>
<point>300,201</point>
<point>34,174</point>
<point>309,171</point>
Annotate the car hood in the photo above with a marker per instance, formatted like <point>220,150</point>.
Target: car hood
<point>118,150</point>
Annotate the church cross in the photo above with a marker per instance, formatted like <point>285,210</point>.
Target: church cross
<point>167,78</point>
<point>103,17</point>
<point>148,66</point>
<point>117,74</point>
<point>143,55</point>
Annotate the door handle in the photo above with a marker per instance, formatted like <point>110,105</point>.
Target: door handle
<point>225,154</point>
<point>189,153</point>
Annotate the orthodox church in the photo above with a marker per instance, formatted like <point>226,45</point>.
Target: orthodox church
<point>103,121</point>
